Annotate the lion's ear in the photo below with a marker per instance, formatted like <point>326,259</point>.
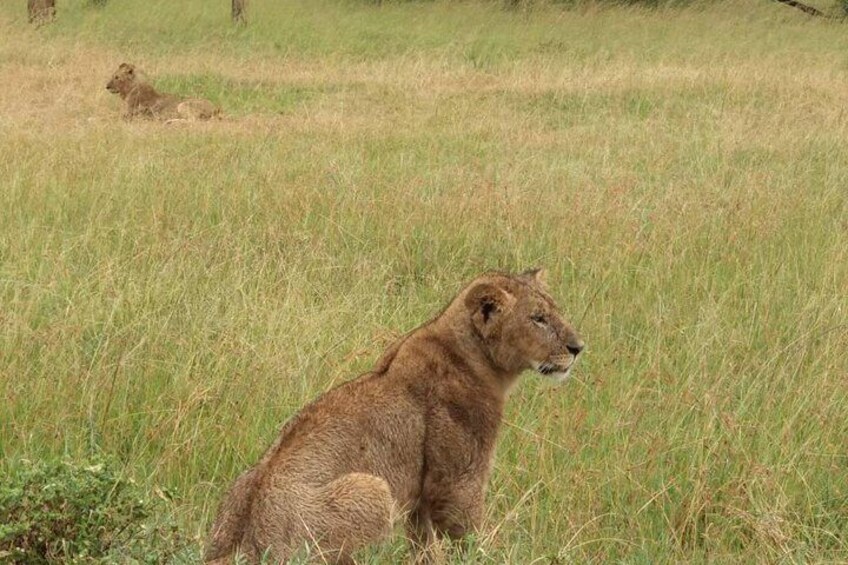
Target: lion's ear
<point>485,303</point>
<point>538,275</point>
<point>127,67</point>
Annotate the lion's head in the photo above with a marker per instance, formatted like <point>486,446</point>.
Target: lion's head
<point>520,326</point>
<point>122,79</point>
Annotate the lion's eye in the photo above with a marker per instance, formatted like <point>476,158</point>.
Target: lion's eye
<point>539,319</point>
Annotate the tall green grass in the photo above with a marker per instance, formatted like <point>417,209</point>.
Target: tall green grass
<point>170,295</point>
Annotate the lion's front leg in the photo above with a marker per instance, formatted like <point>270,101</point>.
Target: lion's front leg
<point>452,510</point>
<point>460,512</point>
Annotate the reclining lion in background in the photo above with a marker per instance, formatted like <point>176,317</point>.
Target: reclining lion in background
<point>415,436</point>
<point>143,100</point>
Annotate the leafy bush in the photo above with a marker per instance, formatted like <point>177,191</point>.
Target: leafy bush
<point>61,512</point>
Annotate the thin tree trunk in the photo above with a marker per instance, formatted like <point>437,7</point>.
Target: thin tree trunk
<point>239,11</point>
<point>41,11</point>
<point>803,7</point>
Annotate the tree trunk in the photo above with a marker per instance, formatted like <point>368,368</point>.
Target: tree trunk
<point>803,7</point>
<point>239,11</point>
<point>41,11</point>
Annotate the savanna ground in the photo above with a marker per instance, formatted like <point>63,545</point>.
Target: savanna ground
<point>170,295</point>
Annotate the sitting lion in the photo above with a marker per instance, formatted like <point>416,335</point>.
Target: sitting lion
<point>143,100</point>
<point>413,437</point>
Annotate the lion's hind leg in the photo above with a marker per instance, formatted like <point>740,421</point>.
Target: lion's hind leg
<point>332,521</point>
<point>197,109</point>
<point>354,510</point>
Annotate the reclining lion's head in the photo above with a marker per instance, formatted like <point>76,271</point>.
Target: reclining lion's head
<point>122,79</point>
<point>519,325</point>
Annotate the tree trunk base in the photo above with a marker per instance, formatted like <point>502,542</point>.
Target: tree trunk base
<point>41,11</point>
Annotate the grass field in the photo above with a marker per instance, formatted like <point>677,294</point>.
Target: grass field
<point>170,295</point>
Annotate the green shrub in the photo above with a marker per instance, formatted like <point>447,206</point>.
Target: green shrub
<point>62,512</point>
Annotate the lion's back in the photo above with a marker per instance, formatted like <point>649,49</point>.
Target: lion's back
<point>197,109</point>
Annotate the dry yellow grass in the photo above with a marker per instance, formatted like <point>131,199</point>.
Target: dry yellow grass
<point>170,295</point>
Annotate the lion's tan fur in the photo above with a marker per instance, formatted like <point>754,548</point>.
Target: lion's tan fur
<point>413,437</point>
<point>142,100</point>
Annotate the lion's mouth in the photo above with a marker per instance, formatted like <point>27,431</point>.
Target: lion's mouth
<point>553,370</point>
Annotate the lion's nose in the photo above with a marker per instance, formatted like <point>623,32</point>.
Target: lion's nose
<point>575,347</point>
